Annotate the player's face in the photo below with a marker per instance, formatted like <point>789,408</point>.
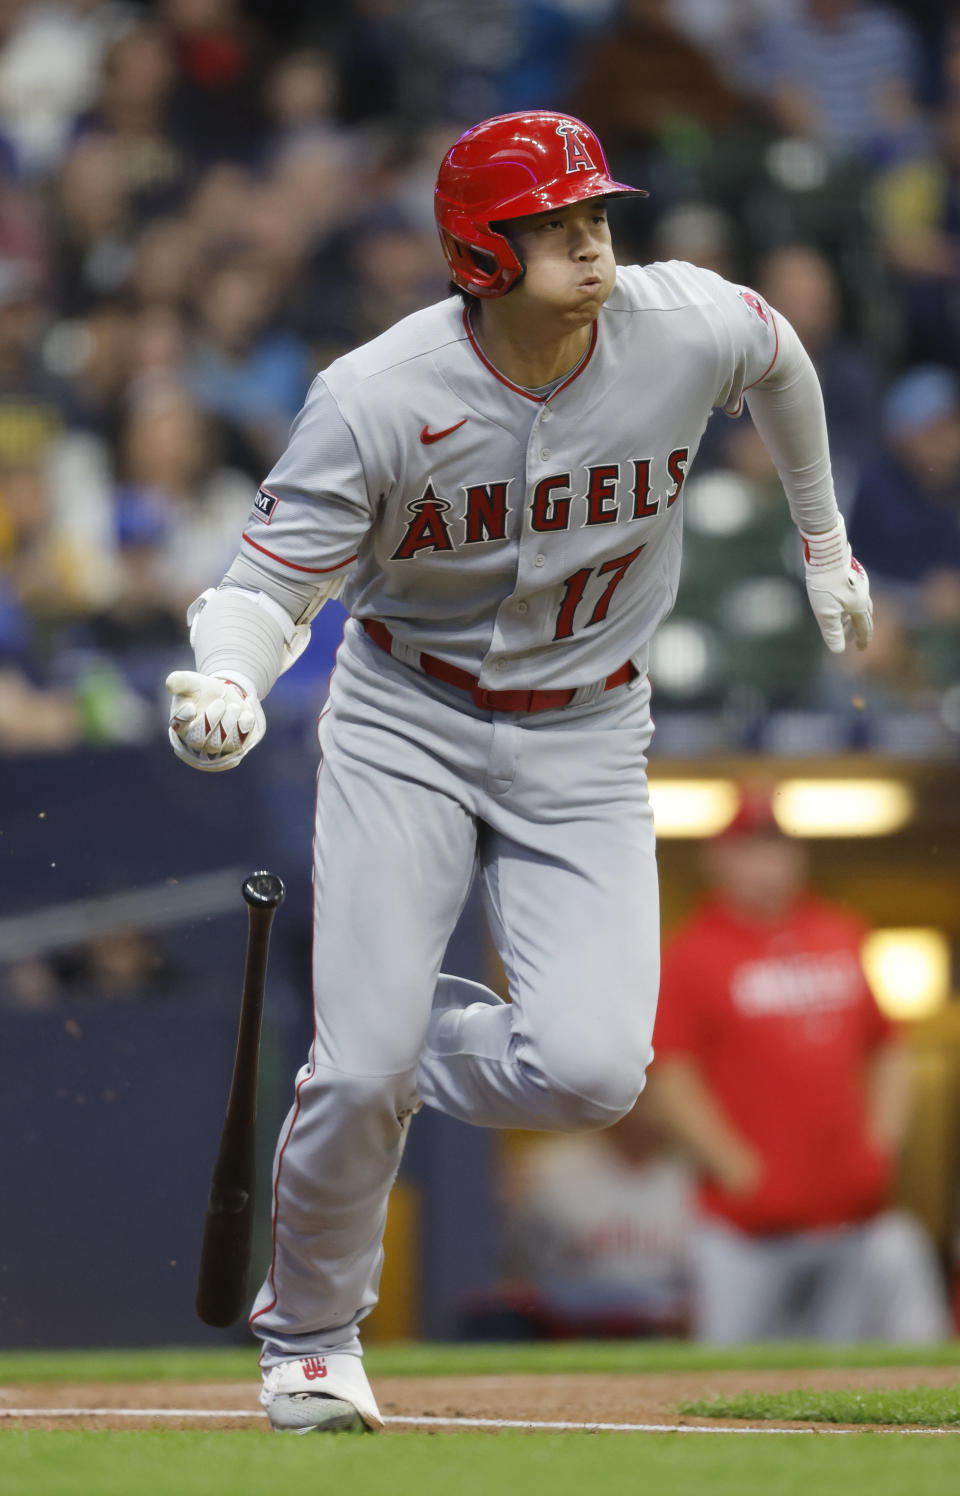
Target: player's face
<point>761,873</point>
<point>569,260</point>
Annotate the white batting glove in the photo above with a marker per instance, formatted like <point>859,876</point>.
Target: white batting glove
<point>838,589</point>
<point>214,719</point>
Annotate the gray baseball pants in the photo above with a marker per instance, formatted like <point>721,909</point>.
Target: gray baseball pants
<point>417,788</point>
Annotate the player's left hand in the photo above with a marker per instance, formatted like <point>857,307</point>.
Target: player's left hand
<point>838,589</point>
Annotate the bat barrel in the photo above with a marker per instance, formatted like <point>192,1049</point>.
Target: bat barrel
<point>228,1229</point>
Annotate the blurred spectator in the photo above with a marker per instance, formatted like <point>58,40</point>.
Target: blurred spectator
<point>596,1234</point>
<point>249,374</point>
<point>157,351</point>
<point>699,233</point>
<point>918,209</point>
<point>778,1072</point>
<point>370,46</point>
<point>131,111</point>
<point>727,29</point>
<point>549,40</point>
<point>139,623</point>
<point>93,355</point>
<point>165,260</point>
<point>217,211</point>
<point>301,95</point>
<point>905,524</point>
<point>643,81</point>
<point>175,497</point>
<point>845,73</point>
<point>391,270</point>
<point>96,227</point>
<point>799,281</point>
<point>34,404</point>
<point>215,112</point>
<point>49,71</point>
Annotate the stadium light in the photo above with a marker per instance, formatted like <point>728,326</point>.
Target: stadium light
<point>842,807</point>
<point>909,971</point>
<point>692,807</point>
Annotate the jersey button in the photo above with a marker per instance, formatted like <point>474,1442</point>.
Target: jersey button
<point>521,607</point>
<point>539,560</point>
<point>544,453</point>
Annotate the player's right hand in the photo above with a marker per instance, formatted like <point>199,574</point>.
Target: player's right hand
<point>214,719</point>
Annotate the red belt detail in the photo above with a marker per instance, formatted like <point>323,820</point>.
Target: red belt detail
<point>492,701</point>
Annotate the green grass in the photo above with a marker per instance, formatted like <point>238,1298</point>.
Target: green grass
<point>239,1363</point>
<point>248,1464</point>
<point>933,1407</point>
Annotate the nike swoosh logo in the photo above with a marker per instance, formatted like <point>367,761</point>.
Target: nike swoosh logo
<point>435,436</point>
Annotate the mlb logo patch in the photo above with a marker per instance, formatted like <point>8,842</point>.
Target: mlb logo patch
<point>264,505</point>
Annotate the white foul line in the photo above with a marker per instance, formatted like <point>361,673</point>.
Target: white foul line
<point>428,1421</point>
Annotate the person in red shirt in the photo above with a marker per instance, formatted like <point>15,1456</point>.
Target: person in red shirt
<point>777,1070</point>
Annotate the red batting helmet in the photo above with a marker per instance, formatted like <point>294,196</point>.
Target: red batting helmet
<point>507,167</point>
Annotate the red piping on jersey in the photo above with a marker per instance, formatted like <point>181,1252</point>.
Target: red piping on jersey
<point>294,566</point>
<point>776,350</point>
<point>518,389</point>
<point>271,1275</point>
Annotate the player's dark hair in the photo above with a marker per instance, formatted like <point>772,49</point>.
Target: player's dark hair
<point>467,297</point>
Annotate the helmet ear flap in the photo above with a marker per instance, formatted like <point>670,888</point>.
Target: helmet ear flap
<point>468,257</point>
<point>482,272</point>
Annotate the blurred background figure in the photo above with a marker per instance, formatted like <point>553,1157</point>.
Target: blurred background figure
<point>800,282</point>
<point>242,369</point>
<point>777,1071</point>
<point>684,90</point>
<point>596,1237</point>
<point>845,73</point>
<point>906,517</point>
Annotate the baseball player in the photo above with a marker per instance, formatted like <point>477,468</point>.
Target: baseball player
<point>494,487</point>
<point>791,1092</point>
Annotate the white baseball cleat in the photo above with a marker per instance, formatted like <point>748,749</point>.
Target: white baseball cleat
<point>319,1394</point>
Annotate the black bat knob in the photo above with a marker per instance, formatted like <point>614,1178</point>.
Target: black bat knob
<point>264,890</point>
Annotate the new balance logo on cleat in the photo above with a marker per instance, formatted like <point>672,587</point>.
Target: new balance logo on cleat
<point>314,1367</point>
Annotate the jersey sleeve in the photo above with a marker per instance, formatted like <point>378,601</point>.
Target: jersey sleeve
<point>313,509</point>
<point>749,339</point>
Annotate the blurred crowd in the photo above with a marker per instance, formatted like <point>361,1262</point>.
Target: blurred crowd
<point>204,201</point>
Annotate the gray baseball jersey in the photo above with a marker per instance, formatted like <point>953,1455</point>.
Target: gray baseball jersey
<point>533,542</point>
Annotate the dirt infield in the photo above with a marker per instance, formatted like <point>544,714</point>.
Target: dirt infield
<point>593,1397</point>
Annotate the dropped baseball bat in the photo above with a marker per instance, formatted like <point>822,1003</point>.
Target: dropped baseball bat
<point>228,1230</point>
